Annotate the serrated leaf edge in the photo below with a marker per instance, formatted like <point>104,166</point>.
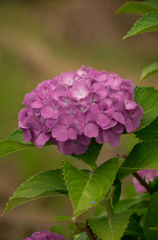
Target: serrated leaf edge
<point>126,36</point>
<point>110,224</point>
<point>12,197</point>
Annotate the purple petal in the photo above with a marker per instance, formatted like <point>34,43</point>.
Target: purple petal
<point>84,140</point>
<point>118,106</point>
<point>47,111</point>
<point>42,139</point>
<point>37,104</point>
<point>119,117</point>
<point>50,123</point>
<point>60,132</point>
<point>129,125</point>
<point>112,124</point>
<point>129,104</point>
<point>80,148</point>
<point>68,147</point>
<point>22,114</point>
<point>60,147</point>
<point>79,91</point>
<point>27,135</point>
<point>99,139</point>
<point>67,78</point>
<point>103,120</point>
<point>91,130</point>
<point>55,113</point>
<point>90,116</point>
<point>111,137</point>
<point>118,128</point>
<point>72,133</point>
<point>103,106</point>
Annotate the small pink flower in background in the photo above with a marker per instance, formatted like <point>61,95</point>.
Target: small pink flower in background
<point>147,175</point>
<point>75,107</point>
<point>45,235</point>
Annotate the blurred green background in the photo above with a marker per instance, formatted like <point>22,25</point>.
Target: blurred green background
<point>39,40</point>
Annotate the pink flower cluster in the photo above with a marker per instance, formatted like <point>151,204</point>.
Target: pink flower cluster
<point>147,175</point>
<point>75,107</point>
<point>45,235</point>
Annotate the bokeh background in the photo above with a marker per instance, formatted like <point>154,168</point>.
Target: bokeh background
<point>39,40</point>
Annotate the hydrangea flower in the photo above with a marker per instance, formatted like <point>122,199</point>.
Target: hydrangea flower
<point>71,109</point>
<point>45,235</point>
<point>147,175</point>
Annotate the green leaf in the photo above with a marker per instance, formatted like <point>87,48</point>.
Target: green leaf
<point>15,143</point>
<point>81,236</point>
<point>149,133</point>
<point>91,155</point>
<point>143,156</point>
<point>152,218</point>
<point>87,188</point>
<point>77,230</point>
<point>140,212</point>
<point>147,23</point>
<point>63,218</point>
<point>116,194</point>
<point>17,135</point>
<point>154,185</point>
<point>134,228</point>
<point>147,97</point>
<point>43,184</point>
<point>154,228</point>
<point>138,7</point>
<point>131,203</point>
<point>9,146</point>
<point>112,229</point>
<point>149,70</point>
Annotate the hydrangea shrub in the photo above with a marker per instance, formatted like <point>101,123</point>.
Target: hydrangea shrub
<point>79,111</point>
<point>71,109</point>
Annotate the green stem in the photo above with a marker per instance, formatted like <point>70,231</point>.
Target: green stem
<point>108,207</point>
<point>95,167</point>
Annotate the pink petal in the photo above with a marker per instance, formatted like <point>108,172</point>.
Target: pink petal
<point>68,147</point>
<point>41,139</point>
<point>27,135</point>
<point>90,116</point>
<point>118,128</point>
<point>60,132</point>
<point>47,111</point>
<point>84,140</point>
<point>128,125</point>
<point>110,137</point>
<point>50,123</point>
<point>103,120</point>
<point>79,91</point>
<point>129,104</point>
<point>119,117</point>
<point>91,130</point>
<point>80,148</point>
<point>55,114</point>
<point>72,133</point>
<point>99,139</point>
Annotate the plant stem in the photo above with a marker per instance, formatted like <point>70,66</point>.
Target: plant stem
<point>108,207</point>
<point>95,167</point>
<point>81,229</point>
<point>142,182</point>
<point>89,232</point>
